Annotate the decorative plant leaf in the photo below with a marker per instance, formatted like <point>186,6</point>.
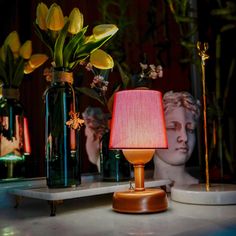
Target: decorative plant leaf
<point>19,73</point>
<point>187,44</point>
<point>227,27</point>
<point>9,65</point>
<point>71,47</point>
<point>43,36</point>
<point>89,47</point>
<point>221,11</point>
<point>180,19</point>
<point>91,93</point>
<point>3,74</point>
<point>59,45</point>
<point>125,78</point>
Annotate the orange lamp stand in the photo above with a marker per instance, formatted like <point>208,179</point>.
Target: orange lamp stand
<point>139,200</point>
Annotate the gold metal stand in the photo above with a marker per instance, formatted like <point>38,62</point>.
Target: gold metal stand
<point>202,48</point>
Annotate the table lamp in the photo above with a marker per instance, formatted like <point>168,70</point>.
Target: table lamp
<point>138,128</point>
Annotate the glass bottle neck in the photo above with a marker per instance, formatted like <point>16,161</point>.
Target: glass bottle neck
<point>62,77</point>
<point>11,93</point>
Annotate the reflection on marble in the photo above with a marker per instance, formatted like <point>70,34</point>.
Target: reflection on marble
<point>93,215</point>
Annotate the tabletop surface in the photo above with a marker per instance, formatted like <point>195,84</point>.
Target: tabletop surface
<point>93,215</point>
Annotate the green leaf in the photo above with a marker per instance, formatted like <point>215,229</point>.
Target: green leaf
<point>124,76</point>
<point>72,45</point>
<point>43,36</point>
<point>227,27</point>
<point>9,65</point>
<point>58,48</point>
<point>180,19</point>
<point>18,73</point>
<point>89,47</point>
<point>3,75</point>
<point>221,11</point>
<point>91,93</point>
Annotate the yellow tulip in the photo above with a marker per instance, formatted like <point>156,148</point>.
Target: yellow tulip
<point>28,69</point>
<point>13,41</point>
<point>104,30</point>
<point>36,60</point>
<point>26,49</point>
<point>76,21</point>
<point>55,18</point>
<point>41,14</point>
<point>101,60</point>
<point>88,39</point>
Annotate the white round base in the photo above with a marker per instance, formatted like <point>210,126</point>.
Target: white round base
<point>219,194</point>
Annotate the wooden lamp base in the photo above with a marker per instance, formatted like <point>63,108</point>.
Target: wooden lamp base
<point>146,201</point>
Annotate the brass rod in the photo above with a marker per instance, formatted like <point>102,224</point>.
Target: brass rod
<point>202,53</point>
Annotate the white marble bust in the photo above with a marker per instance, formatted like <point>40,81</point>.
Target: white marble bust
<point>181,114</point>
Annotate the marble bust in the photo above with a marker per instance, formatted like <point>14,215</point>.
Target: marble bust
<point>181,115</point>
<point>96,124</point>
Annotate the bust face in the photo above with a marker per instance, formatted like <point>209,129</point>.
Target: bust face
<point>180,126</point>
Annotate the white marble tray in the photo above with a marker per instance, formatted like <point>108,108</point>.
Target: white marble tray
<point>83,190</point>
<point>89,188</point>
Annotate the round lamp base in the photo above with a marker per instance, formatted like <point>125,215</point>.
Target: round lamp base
<point>218,194</point>
<point>147,201</point>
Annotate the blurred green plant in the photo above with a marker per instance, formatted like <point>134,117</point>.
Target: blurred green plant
<point>221,23</point>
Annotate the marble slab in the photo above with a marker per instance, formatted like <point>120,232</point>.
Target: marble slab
<point>89,188</point>
<point>218,194</point>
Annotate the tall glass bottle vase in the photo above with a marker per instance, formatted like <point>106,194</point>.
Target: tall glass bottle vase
<point>14,135</point>
<point>62,142</point>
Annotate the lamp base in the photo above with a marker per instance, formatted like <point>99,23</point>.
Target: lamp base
<point>146,201</point>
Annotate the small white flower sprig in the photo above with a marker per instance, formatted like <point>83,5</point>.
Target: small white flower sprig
<point>151,71</point>
<point>99,83</point>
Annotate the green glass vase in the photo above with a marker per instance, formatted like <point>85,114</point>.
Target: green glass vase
<point>62,142</point>
<point>114,166</point>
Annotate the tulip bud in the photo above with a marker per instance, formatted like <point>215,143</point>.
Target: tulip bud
<point>101,60</point>
<point>13,41</point>
<point>27,68</point>
<point>36,60</point>
<point>88,39</point>
<point>104,30</point>
<point>41,14</point>
<point>26,49</point>
<point>76,21</point>
<point>55,18</point>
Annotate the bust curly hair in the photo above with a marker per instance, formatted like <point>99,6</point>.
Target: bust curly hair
<point>172,100</point>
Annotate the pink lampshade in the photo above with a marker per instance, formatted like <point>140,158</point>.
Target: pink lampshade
<point>138,120</point>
